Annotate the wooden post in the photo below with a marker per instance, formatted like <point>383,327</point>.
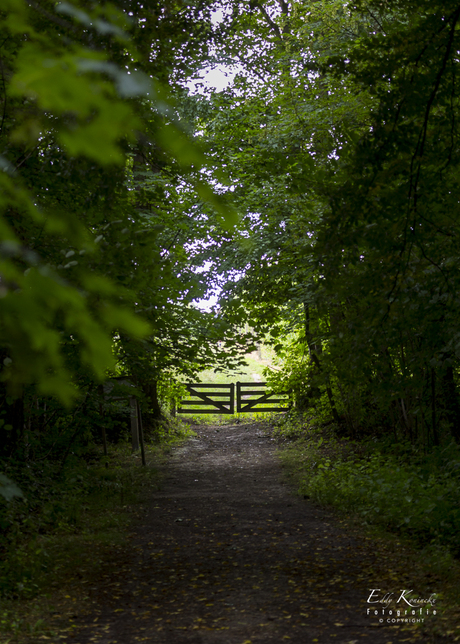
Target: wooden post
<point>101,415</point>
<point>134,424</point>
<point>232,398</point>
<point>141,432</point>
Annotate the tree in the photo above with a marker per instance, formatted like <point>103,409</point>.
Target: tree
<point>84,90</point>
<point>340,136</point>
<point>395,218</point>
<point>277,132</point>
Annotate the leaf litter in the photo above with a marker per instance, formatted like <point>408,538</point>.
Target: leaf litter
<point>226,554</point>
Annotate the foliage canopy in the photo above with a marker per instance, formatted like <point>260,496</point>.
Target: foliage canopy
<point>337,143</point>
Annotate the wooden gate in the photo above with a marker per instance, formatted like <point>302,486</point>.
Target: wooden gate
<point>220,399</point>
<point>249,395</point>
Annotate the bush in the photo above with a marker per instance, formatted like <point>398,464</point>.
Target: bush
<point>419,498</point>
<point>86,499</point>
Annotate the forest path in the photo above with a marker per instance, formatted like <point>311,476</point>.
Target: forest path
<point>226,554</point>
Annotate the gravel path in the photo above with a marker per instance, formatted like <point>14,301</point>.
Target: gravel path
<point>226,554</point>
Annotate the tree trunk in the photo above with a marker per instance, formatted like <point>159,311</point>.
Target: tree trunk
<point>434,425</point>
<point>153,414</point>
<point>314,350</point>
<point>451,402</point>
<point>134,424</point>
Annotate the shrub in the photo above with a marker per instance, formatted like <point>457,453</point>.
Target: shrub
<point>421,498</point>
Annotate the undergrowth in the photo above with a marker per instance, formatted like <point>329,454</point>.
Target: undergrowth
<point>78,514</point>
<point>393,485</point>
<point>400,496</point>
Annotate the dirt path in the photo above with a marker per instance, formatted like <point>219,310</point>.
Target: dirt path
<point>226,554</point>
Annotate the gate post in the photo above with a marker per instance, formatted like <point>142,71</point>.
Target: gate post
<point>238,397</point>
<point>232,398</point>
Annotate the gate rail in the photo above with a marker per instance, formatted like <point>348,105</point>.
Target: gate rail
<point>225,404</point>
<point>245,401</point>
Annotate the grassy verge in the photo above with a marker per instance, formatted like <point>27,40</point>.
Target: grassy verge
<point>226,419</point>
<point>81,516</point>
<point>393,486</point>
<point>406,500</point>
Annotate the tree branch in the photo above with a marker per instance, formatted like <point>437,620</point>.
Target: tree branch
<point>58,21</point>
<point>273,26</point>
<point>419,149</point>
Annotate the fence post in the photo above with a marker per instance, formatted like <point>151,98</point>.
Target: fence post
<point>141,432</point>
<point>134,424</point>
<point>101,418</point>
<point>238,397</point>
